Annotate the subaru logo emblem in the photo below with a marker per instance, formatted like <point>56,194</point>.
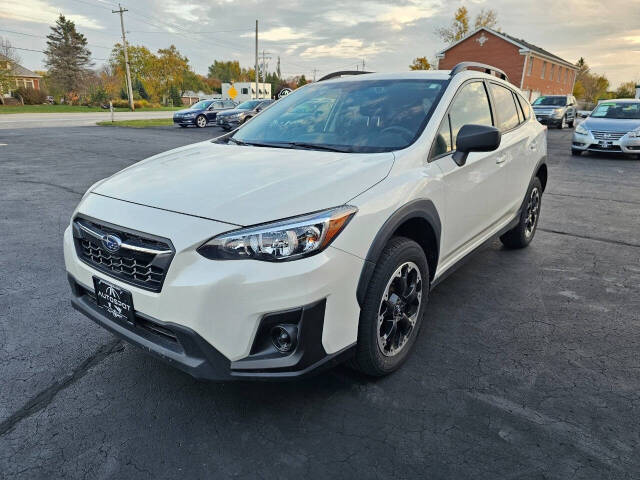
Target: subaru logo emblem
<point>111,243</point>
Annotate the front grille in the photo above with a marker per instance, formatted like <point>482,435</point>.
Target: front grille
<point>141,260</point>
<point>141,321</point>
<point>602,135</point>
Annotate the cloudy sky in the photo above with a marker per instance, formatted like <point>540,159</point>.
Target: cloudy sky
<point>331,34</point>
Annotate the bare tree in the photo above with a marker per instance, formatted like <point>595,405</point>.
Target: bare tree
<point>8,61</point>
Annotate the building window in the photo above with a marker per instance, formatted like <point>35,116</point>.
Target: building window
<point>245,91</point>
<point>551,72</point>
<point>530,66</point>
<point>566,75</point>
<point>544,69</point>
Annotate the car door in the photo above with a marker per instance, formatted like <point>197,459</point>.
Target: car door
<point>571,111</point>
<point>212,111</point>
<point>474,192</point>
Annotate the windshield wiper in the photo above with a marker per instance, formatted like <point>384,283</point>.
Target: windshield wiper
<point>311,146</point>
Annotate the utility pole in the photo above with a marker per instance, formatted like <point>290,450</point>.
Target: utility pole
<point>315,70</point>
<point>363,64</point>
<point>126,55</point>
<point>256,67</point>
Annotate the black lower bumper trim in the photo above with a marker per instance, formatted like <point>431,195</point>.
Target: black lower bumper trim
<point>185,349</point>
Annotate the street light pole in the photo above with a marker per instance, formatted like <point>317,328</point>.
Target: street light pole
<point>256,67</point>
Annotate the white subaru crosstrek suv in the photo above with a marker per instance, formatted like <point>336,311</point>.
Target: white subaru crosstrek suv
<point>314,233</point>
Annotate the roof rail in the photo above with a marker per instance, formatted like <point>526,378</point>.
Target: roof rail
<point>342,73</point>
<point>461,67</point>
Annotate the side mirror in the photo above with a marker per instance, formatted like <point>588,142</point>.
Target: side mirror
<point>583,114</point>
<point>475,138</point>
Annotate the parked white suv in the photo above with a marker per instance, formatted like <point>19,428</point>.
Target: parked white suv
<point>312,235</point>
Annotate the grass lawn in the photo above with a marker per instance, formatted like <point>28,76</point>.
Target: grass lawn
<point>71,109</point>
<point>152,122</point>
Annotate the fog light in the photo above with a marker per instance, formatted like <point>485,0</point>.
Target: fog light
<point>284,337</point>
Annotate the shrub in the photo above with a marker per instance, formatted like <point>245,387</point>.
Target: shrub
<point>174,96</point>
<point>30,96</point>
<point>98,96</point>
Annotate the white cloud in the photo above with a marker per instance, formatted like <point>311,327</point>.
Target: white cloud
<point>400,16</point>
<point>344,48</point>
<point>183,11</point>
<point>277,34</point>
<point>39,11</point>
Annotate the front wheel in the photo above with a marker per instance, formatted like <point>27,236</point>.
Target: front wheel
<point>563,123</point>
<point>393,308</point>
<point>521,235</point>
<point>201,121</point>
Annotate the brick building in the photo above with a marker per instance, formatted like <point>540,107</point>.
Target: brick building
<point>532,69</point>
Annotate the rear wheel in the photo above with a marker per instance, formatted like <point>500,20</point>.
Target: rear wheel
<point>201,121</point>
<point>393,308</point>
<point>522,234</point>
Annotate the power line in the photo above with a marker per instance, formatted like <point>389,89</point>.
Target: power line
<point>44,36</point>
<point>43,51</point>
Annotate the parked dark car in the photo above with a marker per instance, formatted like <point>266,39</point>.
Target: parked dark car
<point>556,110</point>
<point>230,119</point>
<point>202,113</point>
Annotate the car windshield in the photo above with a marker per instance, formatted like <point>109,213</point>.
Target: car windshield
<point>620,110</point>
<point>551,101</point>
<point>249,105</point>
<point>201,105</point>
<point>352,116</point>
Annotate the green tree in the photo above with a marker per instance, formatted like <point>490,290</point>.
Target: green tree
<point>225,71</point>
<point>459,28</point>
<point>138,88</point>
<point>420,63</point>
<point>168,70</point>
<point>301,81</point>
<point>67,56</point>
<point>174,96</point>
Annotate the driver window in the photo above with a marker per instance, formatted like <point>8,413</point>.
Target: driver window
<point>471,106</point>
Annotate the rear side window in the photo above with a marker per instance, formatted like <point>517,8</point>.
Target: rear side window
<point>526,109</point>
<point>471,106</point>
<point>505,107</point>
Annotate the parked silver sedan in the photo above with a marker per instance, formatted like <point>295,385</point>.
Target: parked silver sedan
<point>613,126</point>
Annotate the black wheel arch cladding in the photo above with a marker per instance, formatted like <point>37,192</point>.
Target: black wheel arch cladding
<point>419,214</point>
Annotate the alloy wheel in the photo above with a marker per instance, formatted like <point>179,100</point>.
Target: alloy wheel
<point>399,309</point>
<point>202,122</point>
<point>533,212</point>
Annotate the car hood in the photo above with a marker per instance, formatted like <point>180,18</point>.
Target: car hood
<point>245,185</point>
<point>233,112</point>
<point>611,124</point>
<point>187,110</point>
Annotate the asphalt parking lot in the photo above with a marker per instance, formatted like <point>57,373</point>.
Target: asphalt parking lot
<point>527,366</point>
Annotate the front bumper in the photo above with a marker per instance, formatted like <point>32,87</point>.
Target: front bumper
<point>227,123</point>
<point>216,309</point>
<point>549,120</point>
<point>184,121</point>
<point>626,144</point>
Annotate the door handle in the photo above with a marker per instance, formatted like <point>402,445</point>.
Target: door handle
<point>501,158</point>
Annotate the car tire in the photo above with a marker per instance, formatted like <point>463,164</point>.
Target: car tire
<point>201,121</point>
<point>571,123</point>
<point>521,235</point>
<point>390,318</point>
<point>562,123</point>
<point>575,152</point>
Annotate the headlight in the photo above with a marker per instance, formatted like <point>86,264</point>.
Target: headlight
<point>558,111</point>
<point>583,131</point>
<point>283,240</point>
<point>634,133</point>
<point>189,115</point>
